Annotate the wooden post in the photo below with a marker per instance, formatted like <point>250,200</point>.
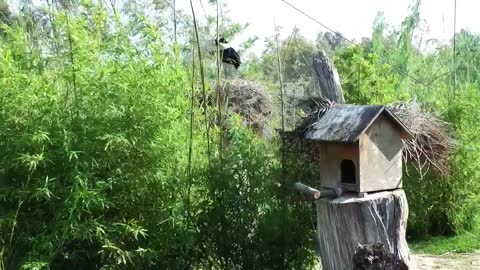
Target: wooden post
<point>351,221</point>
<point>326,76</point>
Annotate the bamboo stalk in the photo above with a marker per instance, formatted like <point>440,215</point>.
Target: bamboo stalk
<point>219,92</point>
<point>280,78</point>
<point>174,23</point>
<point>284,184</point>
<point>190,144</point>
<point>72,62</point>
<point>202,76</point>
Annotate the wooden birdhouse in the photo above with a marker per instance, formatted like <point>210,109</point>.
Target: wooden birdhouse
<point>360,148</point>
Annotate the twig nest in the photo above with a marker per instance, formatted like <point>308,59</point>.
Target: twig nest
<point>432,142</point>
<point>249,99</point>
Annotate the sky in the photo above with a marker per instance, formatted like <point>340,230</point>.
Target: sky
<point>352,18</point>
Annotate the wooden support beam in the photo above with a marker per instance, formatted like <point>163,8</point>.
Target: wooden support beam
<point>314,194</point>
<point>309,192</point>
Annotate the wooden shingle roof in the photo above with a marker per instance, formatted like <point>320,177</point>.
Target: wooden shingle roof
<point>344,123</point>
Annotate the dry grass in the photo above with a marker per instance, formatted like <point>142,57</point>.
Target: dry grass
<point>432,142</point>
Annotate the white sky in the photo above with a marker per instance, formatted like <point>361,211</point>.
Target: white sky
<point>352,18</point>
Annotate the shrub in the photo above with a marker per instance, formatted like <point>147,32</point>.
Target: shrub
<point>92,138</point>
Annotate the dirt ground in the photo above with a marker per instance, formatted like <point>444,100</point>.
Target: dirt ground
<point>449,261</point>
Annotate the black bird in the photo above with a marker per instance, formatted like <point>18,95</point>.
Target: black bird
<point>222,40</point>
<point>228,55</point>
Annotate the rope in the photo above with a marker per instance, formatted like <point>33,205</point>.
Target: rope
<point>313,19</point>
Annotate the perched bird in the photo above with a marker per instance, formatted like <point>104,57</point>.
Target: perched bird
<point>228,55</point>
<point>222,40</point>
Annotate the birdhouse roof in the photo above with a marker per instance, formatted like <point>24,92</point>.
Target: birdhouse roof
<point>344,123</point>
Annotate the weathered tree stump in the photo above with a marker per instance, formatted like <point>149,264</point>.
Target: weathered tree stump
<point>327,78</point>
<point>346,222</point>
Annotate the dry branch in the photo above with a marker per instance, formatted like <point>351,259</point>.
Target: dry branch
<point>432,142</point>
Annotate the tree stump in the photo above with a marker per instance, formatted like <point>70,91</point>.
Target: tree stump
<point>346,223</point>
<point>327,78</point>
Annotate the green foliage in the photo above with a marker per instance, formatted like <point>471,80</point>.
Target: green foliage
<point>297,56</point>
<point>365,79</point>
<point>467,62</point>
<point>468,241</point>
<point>445,206</point>
<point>90,135</point>
<point>245,216</point>
<point>94,132</point>
<point>94,128</point>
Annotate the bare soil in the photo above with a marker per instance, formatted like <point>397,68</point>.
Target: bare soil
<point>449,261</point>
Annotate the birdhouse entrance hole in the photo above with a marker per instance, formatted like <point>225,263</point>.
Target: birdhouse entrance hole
<point>347,169</point>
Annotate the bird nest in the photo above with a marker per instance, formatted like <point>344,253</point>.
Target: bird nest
<point>251,100</point>
<point>428,150</point>
<point>432,142</point>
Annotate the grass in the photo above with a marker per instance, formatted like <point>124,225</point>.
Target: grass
<point>463,243</point>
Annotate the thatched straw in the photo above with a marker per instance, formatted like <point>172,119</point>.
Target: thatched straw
<point>432,142</point>
<point>313,109</point>
<point>429,149</point>
<point>251,100</point>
